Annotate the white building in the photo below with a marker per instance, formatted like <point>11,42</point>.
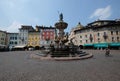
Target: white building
<point>23,34</point>
<point>12,39</point>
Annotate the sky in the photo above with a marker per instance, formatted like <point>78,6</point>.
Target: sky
<point>14,13</point>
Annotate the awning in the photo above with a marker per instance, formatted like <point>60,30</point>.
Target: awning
<point>97,45</point>
<point>115,44</point>
<point>20,46</point>
<point>88,44</point>
<point>1,45</point>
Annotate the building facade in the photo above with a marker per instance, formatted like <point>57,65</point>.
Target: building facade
<point>3,41</point>
<point>23,34</point>
<point>3,37</point>
<point>47,35</point>
<point>99,34</point>
<point>72,35</point>
<point>12,40</point>
<point>34,39</point>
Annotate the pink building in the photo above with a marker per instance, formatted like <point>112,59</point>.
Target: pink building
<point>47,35</point>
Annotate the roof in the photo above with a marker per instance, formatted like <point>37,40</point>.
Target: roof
<point>44,27</point>
<point>26,27</point>
<point>34,32</point>
<point>109,21</point>
<point>3,31</point>
<point>107,25</point>
<point>11,33</point>
<point>112,23</point>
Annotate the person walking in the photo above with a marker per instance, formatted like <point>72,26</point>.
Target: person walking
<point>107,53</point>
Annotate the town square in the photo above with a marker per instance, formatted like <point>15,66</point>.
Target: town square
<point>59,40</point>
<point>19,66</point>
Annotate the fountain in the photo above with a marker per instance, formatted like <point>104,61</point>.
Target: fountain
<point>58,49</point>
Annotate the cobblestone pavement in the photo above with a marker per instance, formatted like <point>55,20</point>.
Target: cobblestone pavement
<point>18,66</point>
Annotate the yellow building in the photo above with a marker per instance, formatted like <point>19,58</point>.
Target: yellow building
<point>2,38</point>
<point>34,39</point>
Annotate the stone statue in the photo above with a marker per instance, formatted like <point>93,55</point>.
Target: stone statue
<point>61,17</point>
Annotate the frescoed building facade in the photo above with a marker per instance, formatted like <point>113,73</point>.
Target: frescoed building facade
<point>99,34</point>
<point>34,39</point>
<point>47,35</point>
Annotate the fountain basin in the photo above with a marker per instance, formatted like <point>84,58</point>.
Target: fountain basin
<point>35,56</point>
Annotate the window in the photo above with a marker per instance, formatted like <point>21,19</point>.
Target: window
<point>47,33</point>
<point>80,41</point>
<point>111,32</point>
<point>86,36</point>
<point>10,38</point>
<point>80,36</point>
<point>91,41</point>
<point>90,35</point>
<point>15,38</point>
<point>116,32</point>
<point>19,37</point>
<point>98,39</point>
<point>86,41</point>
<point>2,34</point>
<point>98,34</point>
<point>104,33</point>
<point>12,42</point>
<point>112,39</point>
<point>2,38</point>
<point>15,42</point>
<point>117,38</point>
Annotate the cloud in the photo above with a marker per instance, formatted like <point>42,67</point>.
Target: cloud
<point>102,13</point>
<point>14,27</point>
<point>13,8</point>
